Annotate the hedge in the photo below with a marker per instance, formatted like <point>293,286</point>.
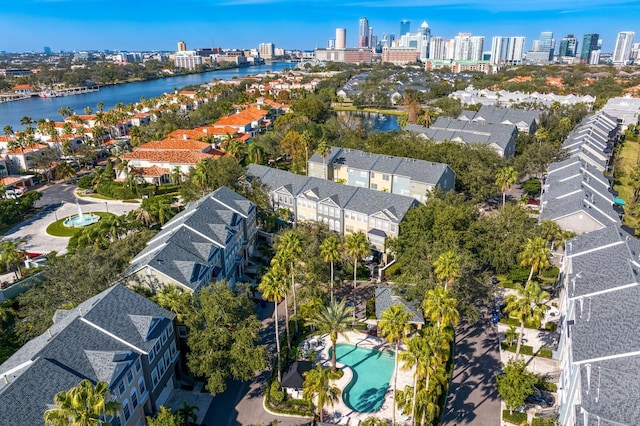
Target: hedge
<point>516,323</point>
<point>537,421</point>
<point>296,407</point>
<point>552,272</point>
<point>545,353</point>
<point>547,386</point>
<point>516,418</point>
<point>528,350</point>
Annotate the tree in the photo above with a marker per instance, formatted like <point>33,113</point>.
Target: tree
<point>333,319</point>
<point>317,385</point>
<point>515,384</point>
<point>174,300</point>
<point>440,308</point>
<point>323,150</point>
<point>290,246</point>
<point>223,336</point>
<point>188,413</point>
<point>394,326</point>
<point>535,254</point>
<point>64,171</point>
<point>330,252</point>
<point>356,245</point>
<point>447,268</point>
<point>527,305</point>
<point>12,256</point>
<point>505,179</point>
<point>82,405</point>
<point>164,418</point>
<point>273,289</point>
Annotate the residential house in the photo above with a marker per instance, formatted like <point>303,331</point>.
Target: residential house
<point>211,240</point>
<point>117,336</point>
<point>397,175</point>
<point>504,98</point>
<point>250,120</point>
<point>593,139</point>
<point>386,297</point>
<point>343,208</point>
<point>18,159</point>
<point>525,120</point>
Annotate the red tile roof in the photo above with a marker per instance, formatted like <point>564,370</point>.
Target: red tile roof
<point>153,171</point>
<point>176,145</point>
<point>32,148</point>
<point>171,157</point>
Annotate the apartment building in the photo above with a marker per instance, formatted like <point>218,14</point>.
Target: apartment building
<point>210,240</point>
<point>397,175</point>
<point>117,336</point>
<point>525,120</point>
<point>343,208</point>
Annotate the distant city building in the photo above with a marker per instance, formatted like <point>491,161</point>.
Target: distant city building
<point>418,41</point>
<point>547,43</point>
<point>331,44</point>
<point>405,27</point>
<point>507,50</point>
<point>543,49</point>
<point>568,46</point>
<point>47,50</point>
<point>363,32</point>
<point>635,51</point>
<point>370,41</point>
<point>589,44</point>
<point>266,50</point>
<point>594,58</point>
<point>468,47</point>
<point>622,52</point>
<point>436,48</point>
<point>458,66</point>
<point>346,55</point>
<point>399,55</point>
<point>341,38</point>
<point>182,46</point>
<point>187,59</point>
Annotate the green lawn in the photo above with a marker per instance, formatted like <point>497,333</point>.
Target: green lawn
<point>57,228</point>
<point>624,162</point>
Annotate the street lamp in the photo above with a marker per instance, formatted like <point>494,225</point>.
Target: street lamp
<point>106,206</point>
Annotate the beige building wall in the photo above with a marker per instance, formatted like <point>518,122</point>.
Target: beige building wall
<point>354,222</point>
<point>377,181</point>
<point>340,172</point>
<point>306,209</point>
<point>418,190</point>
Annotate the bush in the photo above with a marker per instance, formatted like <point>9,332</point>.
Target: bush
<point>277,394</point>
<point>524,349</point>
<point>393,270</point>
<point>508,284</point>
<point>519,273</point>
<point>371,308</point>
<point>537,421</point>
<point>551,326</point>
<point>85,182</point>
<point>337,375</point>
<point>552,272</point>
<point>515,418</point>
<point>532,186</point>
<point>516,323</point>
<point>547,386</point>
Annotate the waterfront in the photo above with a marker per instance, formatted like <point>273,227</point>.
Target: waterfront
<point>36,108</point>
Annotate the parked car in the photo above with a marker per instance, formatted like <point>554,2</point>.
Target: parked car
<point>541,398</point>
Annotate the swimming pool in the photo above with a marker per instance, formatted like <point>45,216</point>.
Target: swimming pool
<point>372,372</point>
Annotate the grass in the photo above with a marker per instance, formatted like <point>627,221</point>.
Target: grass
<point>514,418</point>
<point>625,160</point>
<point>57,228</point>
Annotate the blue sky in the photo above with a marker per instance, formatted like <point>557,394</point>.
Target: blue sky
<point>29,25</point>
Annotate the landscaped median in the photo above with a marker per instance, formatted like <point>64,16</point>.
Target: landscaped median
<point>57,228</point>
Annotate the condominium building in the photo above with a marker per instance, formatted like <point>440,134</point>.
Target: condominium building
<point>341,38</point>
<point>397,175</point>
<point>622,51</point>
<point>468,47</point>
<point>436,48</point>
<point>343,208</point>
<point>507,50</point>
<point>187,59</point>
<point>117,337</point>
<point>266,50</point>
<point>211,240</point>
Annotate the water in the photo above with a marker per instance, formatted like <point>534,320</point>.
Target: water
<point>36,108</point>
<point>375,121</point>
<point>81,220</point>
<point>372,371</point>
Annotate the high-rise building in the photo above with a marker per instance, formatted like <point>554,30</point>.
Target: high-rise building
<point>622,52</point>
<point>182,46</point>
<point>331,44</point>
<point>341,38</point>
<point>418,41</point>
<point>589,44</point>
<point>47,50</point>
<point>370,41</point>
<point>542,50</point>
<point>507,50</point>
<point>547,44</point>
<point>405,27</point>
<point>363,32</point>
<point>468,47</point>
<point>266,50</point>
<point>436,48</point>
<point>568,46</point>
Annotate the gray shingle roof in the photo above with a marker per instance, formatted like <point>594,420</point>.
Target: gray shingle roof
<point>472,134</point>
<point>386,297</point>
<point>494,115</point>
<point>293,376</point>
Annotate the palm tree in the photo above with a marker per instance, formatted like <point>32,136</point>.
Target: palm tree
<point>82,405</point>
<point>187,413</point>
<point>440,308</point>
<point>330,252</point>
<point>394,326</point>
<point>447,268</point>
<point>173,299</point>
<point>7,130</point>
<point>536,254</point>
<point>142,216</point>
<point>317,385</point>
<point>333,319</point>
<point>176,173</point>
<point>526,306</point>
<point>323,150</point>
<point>64,171</point>
<point>279,268</point>
<point>356,246</point>
<point>255,153</point>
<point>273,289</point>
<point>65,112</point>
<point>505,179</point>
<point>291,248</point>
<point>12,256</point>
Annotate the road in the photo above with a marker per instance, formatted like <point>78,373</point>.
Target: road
<point>473,398</point>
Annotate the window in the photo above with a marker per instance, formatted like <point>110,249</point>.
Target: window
<point>385,177</point>
<point>374,186</point>
<point>373,175</point>
<point>164,338</point>
<point>158,346</point>
<point>173,348</point>
<point>161,367</point>
<point>372,222</point>
<point>134,398</point>
<point>121,388</point>
<point>152,355</point>
<point>129,377</point>
<point>363,174</point>
<point>126,410</point>
<point>142,387</point>
<point>167,359</point>
<point>348,229</point>
<point>138,365</point>
<point>154,377</point>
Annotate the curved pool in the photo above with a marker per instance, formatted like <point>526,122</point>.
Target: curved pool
<point>372,371</point>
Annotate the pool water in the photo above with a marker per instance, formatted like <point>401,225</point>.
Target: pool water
<point>372,371</point>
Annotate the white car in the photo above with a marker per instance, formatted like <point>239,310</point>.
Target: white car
<point>552,313</point>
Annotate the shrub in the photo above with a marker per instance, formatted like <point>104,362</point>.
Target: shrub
<point>371,308</point>
<point>277,394</point>
<point>519,273</point>
<point>337,375</point>
<point>537,421</point>
<point>552,272</point>
<point>516,323</point>
<point>393,270</point>
<point>532,186</point>
<point>508,284</point>
<point>85,182</point>
<point>547,386</point>
<point>551,326</point>
<point>545,353</point>
<point>515,418</point>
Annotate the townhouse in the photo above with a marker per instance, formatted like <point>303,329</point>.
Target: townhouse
<point>504,98</point>
<point>343,208</point>
<point>211,240</point>
<point>250,120</point>
<point>525,120</point>
<point>117,336</point>
<point>593,139</point>
<point>386,173</point>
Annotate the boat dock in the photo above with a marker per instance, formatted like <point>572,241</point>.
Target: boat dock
<point>74,91</point>
<point>8,97</point>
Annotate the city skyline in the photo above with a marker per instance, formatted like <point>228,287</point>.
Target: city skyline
<point>73,25</point>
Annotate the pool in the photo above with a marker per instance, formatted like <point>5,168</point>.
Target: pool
<point>372,371</point>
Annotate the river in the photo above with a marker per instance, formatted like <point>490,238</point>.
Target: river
<point>37,108</point>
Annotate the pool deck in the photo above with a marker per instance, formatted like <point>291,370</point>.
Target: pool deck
<point>340,411</point>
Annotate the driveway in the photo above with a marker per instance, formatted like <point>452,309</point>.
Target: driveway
<point>473,398</point>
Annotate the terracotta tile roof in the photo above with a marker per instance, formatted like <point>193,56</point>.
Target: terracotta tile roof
<point>210,130</point>
<point>244,137</point>
<point>171,157</point>
<point>188,133</point>
<point>22,87</point>
<point>9,138</point>
<point>153,171</point>
<point>70,137</point>
<point>175,145</point>
<point>60,124</point>
<point>10,180</point>
<point>32,148</point>
<point>141,115</point>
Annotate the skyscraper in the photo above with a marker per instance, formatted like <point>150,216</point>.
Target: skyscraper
<point>568,46</point>
<point>589,44</point>
<point>436,48</point>
<point>468,47</point>
<point>363,32</point>
<point>341,38</point>
<point>266,50</point>
<point>546,42</point>
<point>622,52</point>
<point>507,50</point>
<point>182,46</point>
<point>542,50</point>
<point>405,27</point>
